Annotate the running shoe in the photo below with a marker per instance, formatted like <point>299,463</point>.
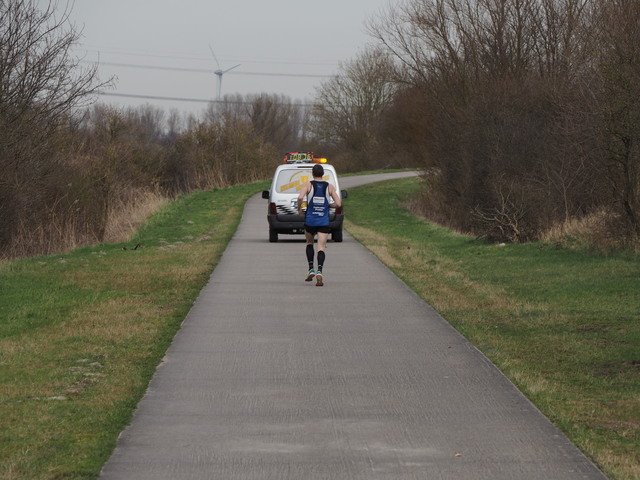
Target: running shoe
<point>310,275</point>
<point>319,280</point>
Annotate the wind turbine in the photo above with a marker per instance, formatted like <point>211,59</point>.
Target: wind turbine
<point>219,73</point>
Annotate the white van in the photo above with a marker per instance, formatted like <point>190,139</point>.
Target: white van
<point>282,212</point>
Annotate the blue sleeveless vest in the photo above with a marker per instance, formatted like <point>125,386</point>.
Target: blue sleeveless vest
<point>318,205</point>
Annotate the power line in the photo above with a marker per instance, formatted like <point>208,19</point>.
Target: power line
<point>202,70</point>
<point>202,59</point>
<point>156,97</point>
<point>185,99</point>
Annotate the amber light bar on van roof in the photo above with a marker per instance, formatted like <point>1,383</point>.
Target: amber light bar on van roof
<point>302,157</point>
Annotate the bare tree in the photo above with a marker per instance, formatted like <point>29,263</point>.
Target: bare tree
<point>490,92</point>
<point>40,80</point>
<point>618,103</point>
<point>274,118</point>
<point>40,85</point>
<point>349,105</point>
<point>277,120</point>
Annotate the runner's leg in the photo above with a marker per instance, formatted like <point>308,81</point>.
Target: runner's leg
<point>322,245</point>
<point>310,253</point>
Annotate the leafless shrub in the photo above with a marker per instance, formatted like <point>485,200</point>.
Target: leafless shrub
<point>219,154</point>
<point>506,220</point>
<point>105,171</point>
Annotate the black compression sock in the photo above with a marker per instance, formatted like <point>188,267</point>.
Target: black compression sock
<point>310,256</point>
<point>320,260</point>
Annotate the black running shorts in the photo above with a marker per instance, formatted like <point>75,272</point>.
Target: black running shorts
<point>314,230</point>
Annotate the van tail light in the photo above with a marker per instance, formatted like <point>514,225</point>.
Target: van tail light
<point>272,209</point>
<point>338,210</point>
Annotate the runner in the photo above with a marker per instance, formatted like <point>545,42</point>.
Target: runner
<point>319,194</point>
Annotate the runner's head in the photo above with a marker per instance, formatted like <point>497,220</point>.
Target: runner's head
<point>317,171</point>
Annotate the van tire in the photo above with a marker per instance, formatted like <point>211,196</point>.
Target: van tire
<point>336,235</point>
<point>273,236</point>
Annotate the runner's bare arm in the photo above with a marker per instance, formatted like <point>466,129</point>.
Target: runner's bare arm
<point>303,193</point>
<point>335,196</point>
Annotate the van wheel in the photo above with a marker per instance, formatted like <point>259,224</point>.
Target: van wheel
<point>273,236</point>
<point>336,236</point>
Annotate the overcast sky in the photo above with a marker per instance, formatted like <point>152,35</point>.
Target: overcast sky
<point>160,48</point>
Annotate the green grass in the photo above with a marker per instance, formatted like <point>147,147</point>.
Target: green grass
<point>82,333</point>
<point>564,325</point>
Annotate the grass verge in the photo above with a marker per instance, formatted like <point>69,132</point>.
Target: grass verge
<point>564,325</point>
<point>82,333</point>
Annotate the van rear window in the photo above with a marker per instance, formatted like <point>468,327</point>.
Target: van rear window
<point>291,180</point>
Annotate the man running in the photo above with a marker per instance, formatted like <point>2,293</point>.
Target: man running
<point>319,194</point>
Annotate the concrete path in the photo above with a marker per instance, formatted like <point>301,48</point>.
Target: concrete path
<point>273,378</point>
